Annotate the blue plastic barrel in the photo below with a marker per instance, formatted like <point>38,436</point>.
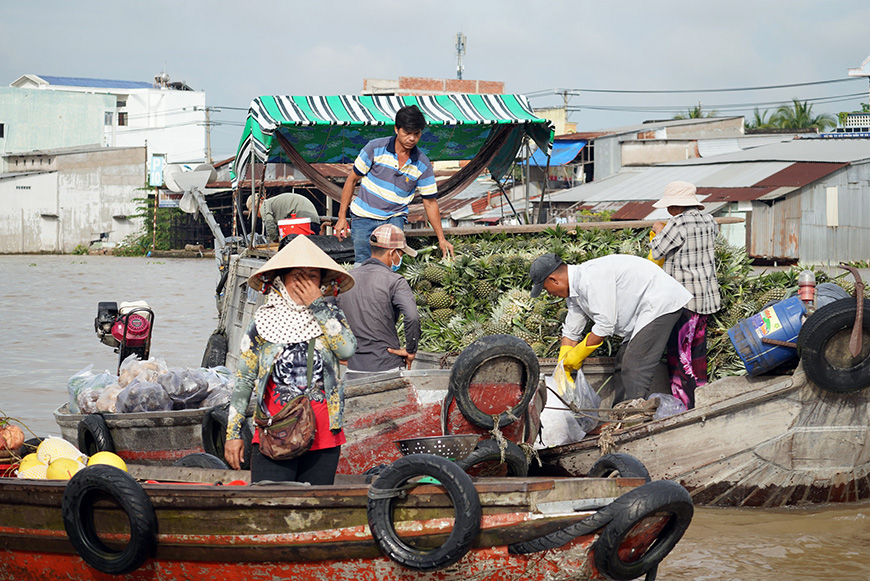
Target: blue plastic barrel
<point>781,321</point>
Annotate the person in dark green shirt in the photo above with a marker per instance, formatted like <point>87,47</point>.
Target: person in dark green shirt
<point>283,206</point>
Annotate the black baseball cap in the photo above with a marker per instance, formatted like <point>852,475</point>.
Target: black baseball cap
<point>541,268</point>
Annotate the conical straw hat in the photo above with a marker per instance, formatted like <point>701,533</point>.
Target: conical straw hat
<point>302,253</point>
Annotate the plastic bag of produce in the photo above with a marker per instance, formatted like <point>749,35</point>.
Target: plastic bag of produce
<point>143,396</point>
<point>185,387</point>
<point>133,367</point>
<point>107,401</point>
<point>84,380</point>
<point>668,405</point>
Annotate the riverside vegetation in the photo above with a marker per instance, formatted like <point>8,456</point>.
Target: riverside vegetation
<point>485,289</point>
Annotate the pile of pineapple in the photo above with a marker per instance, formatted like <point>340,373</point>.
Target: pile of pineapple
<point>484,289</point>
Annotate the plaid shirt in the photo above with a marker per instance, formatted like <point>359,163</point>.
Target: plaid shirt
<point>686,243</point>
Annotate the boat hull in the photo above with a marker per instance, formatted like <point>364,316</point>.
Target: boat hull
<point>310,532</point>
<point>764,442</point>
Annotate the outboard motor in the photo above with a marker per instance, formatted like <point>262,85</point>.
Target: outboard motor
<point>127,329</point>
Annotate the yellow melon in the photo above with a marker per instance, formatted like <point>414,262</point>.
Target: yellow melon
<point>109,458</point>
<point>63,469</point>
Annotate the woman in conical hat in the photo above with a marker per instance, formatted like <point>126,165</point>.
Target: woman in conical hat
<point>273,360</point>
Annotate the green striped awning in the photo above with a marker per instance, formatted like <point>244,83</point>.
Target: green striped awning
<point>334,129</point>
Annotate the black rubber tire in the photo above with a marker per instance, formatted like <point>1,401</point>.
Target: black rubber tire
<point>79,496</point>
<point>214,434</point>
<point>94,436</point>
<point>488,451</point>
<point>215,351</point>
<point>823,346</point>
<point>651,493</point>
<point>29,446</point>
<point>466,508</point>
<point>202,460</point>
<point>478,353</point>
<point>662,497</point>
<point>619,465</point>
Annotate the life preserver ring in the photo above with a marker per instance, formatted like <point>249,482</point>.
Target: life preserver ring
<point>466,508</point>
<point>488,451</point>
<point>201,460</point>
<point>624,549</point>
<point>473,357</point>
<point>214,434</point>
<point>619,465</point>
<point>78,518</point>
<point>823,346</point>
<point>94,436</point>
<point>661,496</point>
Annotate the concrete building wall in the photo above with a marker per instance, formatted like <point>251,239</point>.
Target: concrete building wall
<point>648,152</point>
<point>34,119</point>
<point>88,197</point>
<point>171,122</point>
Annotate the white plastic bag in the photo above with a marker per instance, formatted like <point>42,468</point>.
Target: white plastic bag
<point>85,386</point>
<point>558,424</point>
<point>668,405</point>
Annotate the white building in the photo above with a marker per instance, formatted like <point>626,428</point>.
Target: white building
<point>55,200</point>
<point>169,118</point>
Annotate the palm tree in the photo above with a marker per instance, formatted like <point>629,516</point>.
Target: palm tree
<point>695,113</point>
<point>800,116</point>
<point>760,120</point>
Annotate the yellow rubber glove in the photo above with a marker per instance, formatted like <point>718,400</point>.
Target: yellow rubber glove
<point>649,256</point>
<point>563,351</point>
<point>578,354</point>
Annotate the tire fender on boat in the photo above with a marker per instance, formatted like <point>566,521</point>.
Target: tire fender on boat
<point>94,436</point>
<point>79,497</point>
<point>619,465</point>
<point>466,507</point>
<point>201,460</point>
<point>661,496</point>
<point>823,346</point>
<point>477,354</point>
<point>216,348</point>
<point>214,434</point>
<point>489,451</point>
<point>647,524</point>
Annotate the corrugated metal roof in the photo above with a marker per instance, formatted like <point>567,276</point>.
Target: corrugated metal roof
<point>800,174</point>
<point>806,149</point>
<point>711,195</point>
<point>100,83</point>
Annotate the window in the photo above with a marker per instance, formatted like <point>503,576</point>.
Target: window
<point>2,130</point>
<point>108,118</point>
<point>122,104</point>
<point>122,118</point>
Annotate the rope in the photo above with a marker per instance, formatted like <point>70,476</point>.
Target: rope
<point>530,453</point>
<point>638,408</point>
<point>498,436</point>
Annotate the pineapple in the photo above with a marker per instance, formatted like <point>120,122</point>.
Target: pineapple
<point>442,316</point>
<point>439,299</point>
<point>424,286</point>
<point>435,274</point>
<point>483,289</point>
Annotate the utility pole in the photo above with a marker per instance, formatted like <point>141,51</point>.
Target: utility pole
<point>460,52</point>
<point>208,112</point>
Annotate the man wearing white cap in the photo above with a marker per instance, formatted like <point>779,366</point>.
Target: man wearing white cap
<point>377,299</point>
<point>686,243</point>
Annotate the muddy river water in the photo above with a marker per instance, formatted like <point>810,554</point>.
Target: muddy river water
<point>47,310</point>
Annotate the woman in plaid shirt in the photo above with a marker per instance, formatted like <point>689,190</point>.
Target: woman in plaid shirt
<point>686,243</point>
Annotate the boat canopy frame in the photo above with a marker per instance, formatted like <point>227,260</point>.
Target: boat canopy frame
<point>486,130</point>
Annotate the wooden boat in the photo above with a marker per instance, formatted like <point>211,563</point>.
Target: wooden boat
<point>767,441</point>
<point>154,524</point>
<point>380,409</point>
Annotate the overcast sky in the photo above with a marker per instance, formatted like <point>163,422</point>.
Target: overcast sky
<point>235,51</point>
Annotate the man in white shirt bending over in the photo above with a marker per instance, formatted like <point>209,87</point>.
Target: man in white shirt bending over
<point>622,295</point>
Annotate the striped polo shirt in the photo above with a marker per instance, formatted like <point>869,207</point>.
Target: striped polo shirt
<point>385,189</point>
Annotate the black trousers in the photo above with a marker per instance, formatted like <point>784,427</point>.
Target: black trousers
<point>314,466</point>
<point>637,359</point>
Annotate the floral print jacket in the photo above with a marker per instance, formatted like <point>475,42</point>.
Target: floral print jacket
<point>258,356</point>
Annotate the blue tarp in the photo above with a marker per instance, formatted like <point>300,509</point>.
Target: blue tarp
<point>563,152</point>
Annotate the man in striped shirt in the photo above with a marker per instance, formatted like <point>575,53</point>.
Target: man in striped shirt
<point>390,171</point>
